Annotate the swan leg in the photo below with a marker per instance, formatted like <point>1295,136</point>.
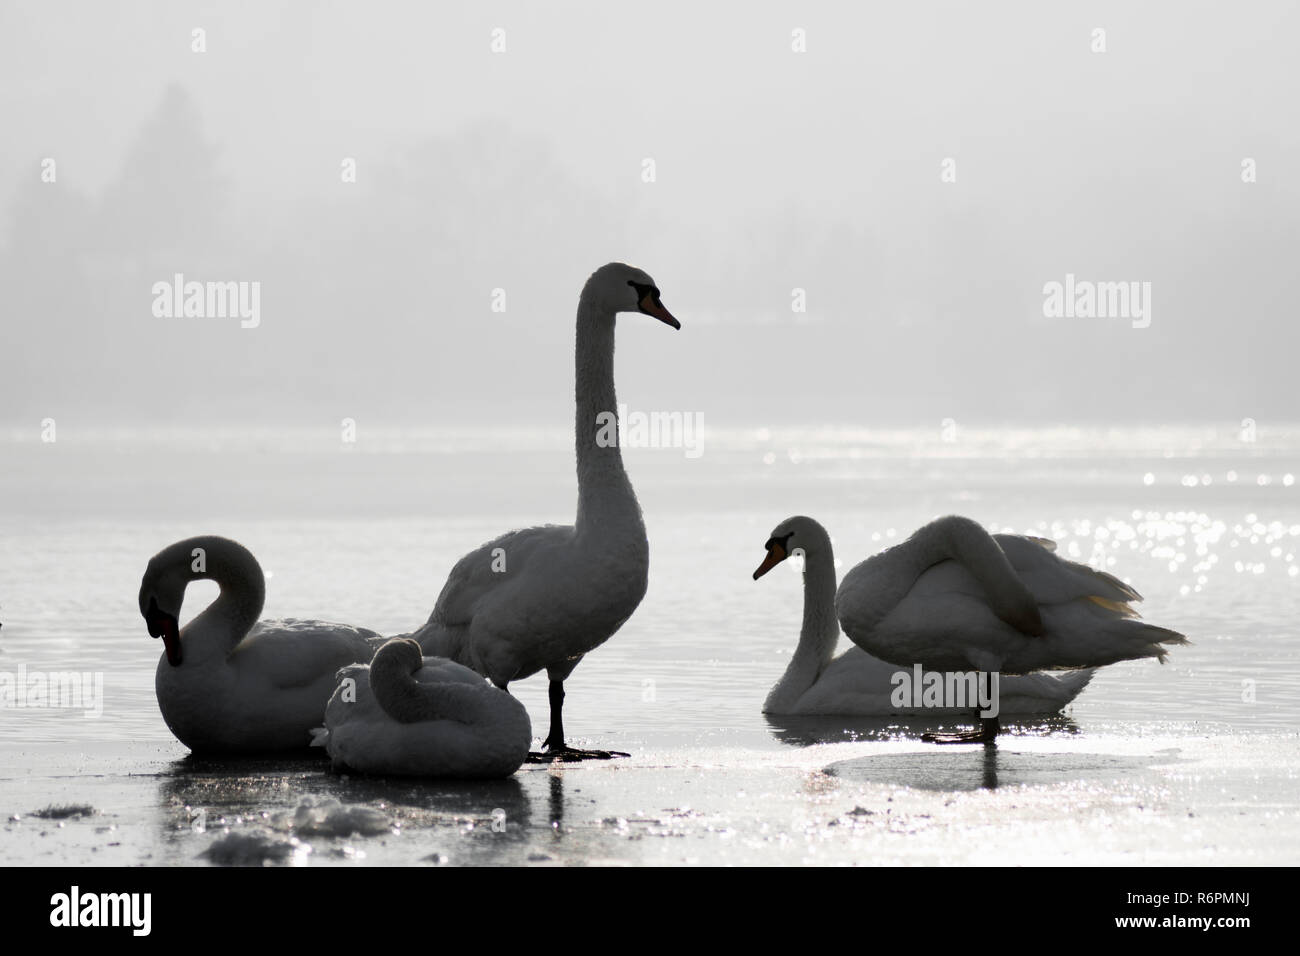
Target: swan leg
<point>555,739</point>
<point>554,747</point>
<point>987,734</point>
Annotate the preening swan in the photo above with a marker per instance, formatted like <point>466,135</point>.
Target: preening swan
<point>952,597</point>
<point>855,683</point>
<point>541,598</point>
<point>226,682</point>
<point>416,716</point>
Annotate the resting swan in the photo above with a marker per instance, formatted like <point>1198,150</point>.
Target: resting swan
<point>952,598</point>
<point>227,683</point>
<point>541,598</point>
<point>415,716</point>
<point>855,683</point>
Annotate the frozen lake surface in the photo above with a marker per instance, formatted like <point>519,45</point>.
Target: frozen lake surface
<point>1065,799</point>
<point>1191,763</point>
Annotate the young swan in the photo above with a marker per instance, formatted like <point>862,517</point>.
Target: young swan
<point>414,716</point>
<point>855,683</point>
<point>227,683</point>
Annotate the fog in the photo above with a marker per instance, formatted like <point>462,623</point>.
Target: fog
<point>420,191</point>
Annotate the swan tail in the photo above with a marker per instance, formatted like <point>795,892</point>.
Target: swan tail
<point>1128,639</point>
<point>320,737</point>
<point>1092,633</point>
<point>1163,635</point>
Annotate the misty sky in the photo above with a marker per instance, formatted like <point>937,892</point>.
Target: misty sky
<point>522,170</point>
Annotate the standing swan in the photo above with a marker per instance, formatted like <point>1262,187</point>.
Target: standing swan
<point>417,716</point>
<point>855,683</point>
<point>541,598</point>
<point>953,598</point>
<point>228,683</point>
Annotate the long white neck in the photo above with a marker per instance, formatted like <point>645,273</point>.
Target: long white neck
<point>606,500</point>
<point>820,632</point>
<point>399,695</point>
<point>229,618</point>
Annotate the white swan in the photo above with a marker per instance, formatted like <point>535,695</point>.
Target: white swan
<point>541,598</point>
<point>415,716</point>
<point>228,683</point>
<point>954,598</point>
<point>855,683</point>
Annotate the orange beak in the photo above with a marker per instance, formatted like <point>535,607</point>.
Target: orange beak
<point>774,557</point>
<point>650,307</point>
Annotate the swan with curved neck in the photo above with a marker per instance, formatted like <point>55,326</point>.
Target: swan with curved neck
<point>954,598</point>
<point>856,683</point>
<point>225,682</point>
<point>541,598</point>
<point>410,715</point>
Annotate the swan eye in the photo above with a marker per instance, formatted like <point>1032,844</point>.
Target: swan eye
<point>783,541</point>
<point>643,290</point>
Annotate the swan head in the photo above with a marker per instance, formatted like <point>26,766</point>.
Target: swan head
<point>395,689</point>
<point>161,592</point>
<point>401,654</point>
<point>798,535</point>
<point>619,287</point>
<point>162,589</point>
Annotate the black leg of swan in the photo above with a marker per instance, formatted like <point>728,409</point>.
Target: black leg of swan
<point>987,734</point>
<point>553,746</point>
<point>990,727</point>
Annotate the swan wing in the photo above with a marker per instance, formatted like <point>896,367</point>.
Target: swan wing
<point>508,608</point>
<point>948,591</point>
<point>1055,580</point>
<point>486,570</point>
<point>946,621</point>
<point>945,617</point>
<point>297,653</point>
